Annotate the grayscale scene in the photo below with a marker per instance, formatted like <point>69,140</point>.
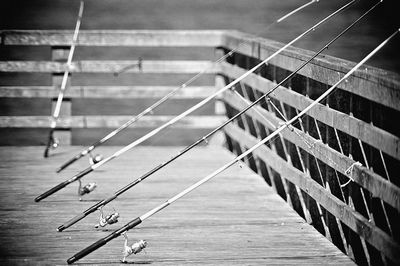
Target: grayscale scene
<point>199,132</point>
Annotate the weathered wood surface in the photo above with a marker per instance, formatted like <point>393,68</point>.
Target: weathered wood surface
<point>105,91</point>
<point>235,219</point>
<point>110,121</point>
<point>371,233</point>
<point>368,133</point>
<point>110,66</point>
<point>158,38</point>
<point>379,186</point>
<point>369,82</point>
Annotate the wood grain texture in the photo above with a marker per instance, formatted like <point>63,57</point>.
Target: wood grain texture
<point>113,92</point>
<point>235,219</point>
<point>357,222</point>
<point>158,38</point>
<point>109,121</point>
<point>96,106</point>
<point>368,133</point>
<point>368,82</point>
<point>110,66</point>
<point>374,183</point>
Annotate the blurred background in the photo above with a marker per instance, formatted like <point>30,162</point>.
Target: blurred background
<point>251,16</point>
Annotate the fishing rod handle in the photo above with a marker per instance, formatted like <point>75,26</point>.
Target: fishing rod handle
<point>79,217</point>
<point>68,163</point>
<point>71,222</point>
<point>51,191</point>
<point>46,151</point>
<point>48,143</point>
<point>87,251</point>
<point>63,184</point>
<point>104,241</point>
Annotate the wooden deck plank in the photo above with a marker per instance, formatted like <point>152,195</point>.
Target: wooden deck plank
<point>354,220</point>
<point>234,219</point>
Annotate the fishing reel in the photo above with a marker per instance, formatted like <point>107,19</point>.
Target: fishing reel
<point>83,190</point>
<point>135,248</point>
<point>108,220</point>
<point>95,159</point>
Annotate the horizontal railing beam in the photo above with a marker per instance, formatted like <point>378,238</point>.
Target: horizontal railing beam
<point>149,38</point>
<point>374,183</point>
<point>372,135</point>
<point>359,224</point>
<point>374,84</point>
<point>106,92</point>
<point>108,121</point>
<point>109,66</point>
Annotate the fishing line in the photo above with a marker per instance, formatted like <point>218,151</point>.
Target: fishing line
<point>235,116</point>
<point>167,96</point>
<point>135,222</point>
<point>187,112</point>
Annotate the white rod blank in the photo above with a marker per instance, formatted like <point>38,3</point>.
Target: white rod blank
<point>296,10</point>
<point>57,108</point>
<point>230,85</point>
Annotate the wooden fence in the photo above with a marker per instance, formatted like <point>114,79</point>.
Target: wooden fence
<point>336,167</point>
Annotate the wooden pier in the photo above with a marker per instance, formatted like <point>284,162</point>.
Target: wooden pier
<point>336,168</point>
<point>235,219</point>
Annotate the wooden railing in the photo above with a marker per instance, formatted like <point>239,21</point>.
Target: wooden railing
<point>313,165</point>
<point>97,99</point>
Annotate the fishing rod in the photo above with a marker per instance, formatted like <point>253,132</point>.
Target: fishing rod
<point>105,201</point>
<point>296,10</point>
<point>190,110</point>
<point>151,108</point>
<point>135,222</point>
<point>51,141</point>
